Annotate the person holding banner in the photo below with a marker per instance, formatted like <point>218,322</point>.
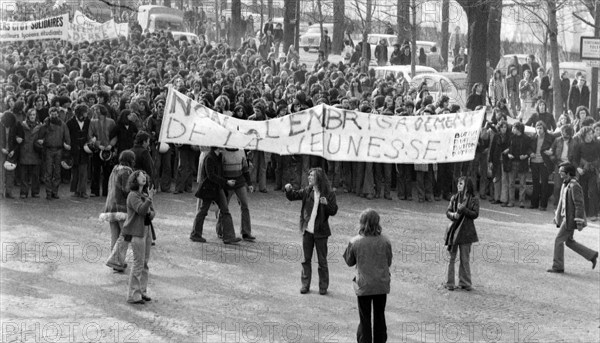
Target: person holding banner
<point>318,204</point>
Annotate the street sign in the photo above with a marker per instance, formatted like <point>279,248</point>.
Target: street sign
<point>592,63</point>
<point>589,48</point>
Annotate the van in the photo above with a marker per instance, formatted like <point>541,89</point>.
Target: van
<point>311,39</point>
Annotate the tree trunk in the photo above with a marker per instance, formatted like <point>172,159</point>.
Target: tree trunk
<point>477,17</point>
<point>445,29</point>
<point>289,24</point>
<point>270,8</point>
<point>413,39</point>
<point>339,26</point>
<point>167,3</point>
<point>494,28</point>
<point>403,15</point>
<point>367,29</point>
<point>236,17</point>
<point>553,35</point>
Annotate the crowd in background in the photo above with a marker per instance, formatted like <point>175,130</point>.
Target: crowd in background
<point>70,109</point>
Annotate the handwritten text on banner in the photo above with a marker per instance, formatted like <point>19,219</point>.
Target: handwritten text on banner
<point>333,133</point>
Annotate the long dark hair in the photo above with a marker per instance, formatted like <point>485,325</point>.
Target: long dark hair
<point>369,223</point>
<point>469,187</point>
<point>132,182</point>
<point>321,182</point>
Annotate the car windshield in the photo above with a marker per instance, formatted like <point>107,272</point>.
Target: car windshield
<point>459,82</point>
<point>314,30</point>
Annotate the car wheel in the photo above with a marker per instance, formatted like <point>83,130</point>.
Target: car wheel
<point>306,49</point>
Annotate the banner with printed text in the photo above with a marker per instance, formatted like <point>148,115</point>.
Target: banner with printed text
<point>333,133</point>
<point>48,28</point>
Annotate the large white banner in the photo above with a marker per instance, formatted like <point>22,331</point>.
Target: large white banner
<point>48,28</point>
<point>333,133</point>
<point>85,29</point>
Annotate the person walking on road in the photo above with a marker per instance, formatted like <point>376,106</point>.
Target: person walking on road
<point>570,215</point>
<point>371,253</point>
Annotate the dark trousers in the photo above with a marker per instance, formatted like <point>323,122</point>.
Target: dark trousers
<point>52,176</point>
<point>30,179</point>
<point>588,182</point>
<point>221,200</point>
<point>565,236</point>
<point>162,170</point>
<point>383,179</point>
<point>185,171</point>
<point>100,169</point>
<point>539,177</point>
<point>309,242</point>
<point>242,195</point>
<point>79,178</point>
<point>377,333</point>
<point>404,181</point>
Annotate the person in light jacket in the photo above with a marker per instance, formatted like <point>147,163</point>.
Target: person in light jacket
<point>314,224</point>
<point>371,253</point>
<point>137,231</point>
<point>462,211</point>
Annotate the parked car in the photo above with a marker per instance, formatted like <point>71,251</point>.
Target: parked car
<point>311,39</point>
<point>453,85</point>
<point>191,37</point>
<point>381,72</point>
<point>506,60</point>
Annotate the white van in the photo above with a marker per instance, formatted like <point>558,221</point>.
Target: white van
<point>311,39</point>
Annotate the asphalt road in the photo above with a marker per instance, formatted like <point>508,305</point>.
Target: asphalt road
<point>56,288</point>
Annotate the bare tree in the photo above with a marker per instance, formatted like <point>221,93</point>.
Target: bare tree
<point>445,28</point>
<point>494,29</point>
<point>339,26</point>
<point>290,24</point>
<point>477,17</point>
<point>403,18</point>
<point>236,17</point>
<point>365,13</point>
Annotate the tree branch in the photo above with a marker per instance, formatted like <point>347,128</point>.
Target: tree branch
<point>585,21</point>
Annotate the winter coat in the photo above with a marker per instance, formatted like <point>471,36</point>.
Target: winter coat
<point>115,208</point>
<point>496,156</point>
<point>557,150</point>
<point>462,229</point>
<point>574,206</point>
<point>546,145</point>
<point>100,128</point>
<point>546,117</point>
<point>27,154</point>
<point>372,256</point>
<point>143,160</point>
<point>306,194</point>
<point>519,145</point>
<point>138,205</point>
<point>79,138</point>
<point>54,134</point>
<point>578,97</point>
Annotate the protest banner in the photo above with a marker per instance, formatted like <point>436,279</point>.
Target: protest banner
<point>333,133</point>
<point>85,29</point>
<point>48,28</point>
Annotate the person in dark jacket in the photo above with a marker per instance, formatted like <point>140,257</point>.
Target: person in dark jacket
<point>587,160</point>
<point>405,57</point>
<point>562,151</point>
<point>395,58</point>
<point>381,53</point>
<point>123,134</point>
<point>462,211</point>
<point>541,113</point>
<point>8,124</point>
<point>54,136</point>
<point>570,215</point>
<point>518,154</point>
<point>314,224</point>
<point>79,127</point>
<point>143,160</point>
<point>579,94</point>
<point>565,85</point>
<point>541,165</point>
<point>26,133</point>
<point>210,188</point>
<point>476,98</point>
<point>500,144</point>
<point>371,253</point>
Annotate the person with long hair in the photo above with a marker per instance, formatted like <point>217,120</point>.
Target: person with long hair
<point>318,204</point>
<point>462,211</point>
<point>115,209</point>
<point>137,230</point>
<point>500,144</point>
<point>371,253</point>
